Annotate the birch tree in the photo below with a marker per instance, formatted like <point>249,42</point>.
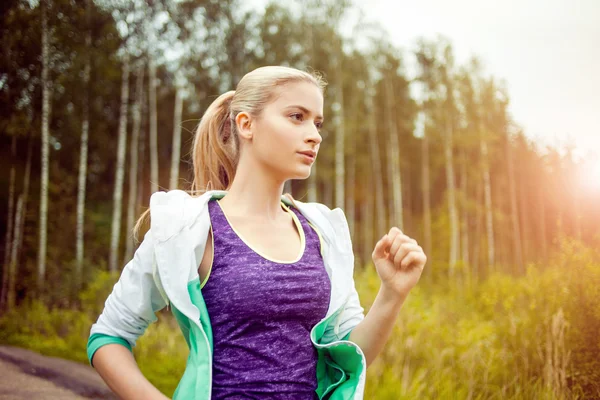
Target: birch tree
<point>394,172</point>
<point>487,184</point>
<point>45,148</point>
<point>153,125</point>
<point>83,153</point>
<point>120,168</point>
<point>426,188</point>
<point>377,167</point>
<point>514,211</point>
<point>134,149</point>
<point>449,125</point>
<point>340,132</point>
<point>176,152</point>
<point>12,274</point>
<point>427,76</point>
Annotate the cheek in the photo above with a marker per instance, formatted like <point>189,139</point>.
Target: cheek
<point>278,134</point>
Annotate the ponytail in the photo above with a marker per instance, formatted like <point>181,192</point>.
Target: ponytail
<point>215,152</point>
<point>216,147</point>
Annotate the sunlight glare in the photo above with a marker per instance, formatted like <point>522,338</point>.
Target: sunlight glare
<point>591,175</point>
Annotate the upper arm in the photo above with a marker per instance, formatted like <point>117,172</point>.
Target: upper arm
<point>134,300</point>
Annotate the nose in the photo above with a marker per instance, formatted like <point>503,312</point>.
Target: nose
<point>314,136</point>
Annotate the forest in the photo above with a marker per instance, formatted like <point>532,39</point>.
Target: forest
<point>99,101</point>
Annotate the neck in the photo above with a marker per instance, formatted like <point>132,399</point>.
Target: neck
<point>254,192</point>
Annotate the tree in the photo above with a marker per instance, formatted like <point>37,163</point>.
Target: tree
<point>447,75</point>
<point>120,168</point>
<point>487,93</point>
<point>134,150</point>
<point>395,174</point>
<point>83,151</point>
<point>10,218</point>
<point>176,150</point>
<point>43,227</point>
<point>154,178</point>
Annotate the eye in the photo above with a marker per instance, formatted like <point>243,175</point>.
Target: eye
<point>319,125</point>
<point>297,116</point>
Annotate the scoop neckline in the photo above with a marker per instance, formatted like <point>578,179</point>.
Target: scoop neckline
<point>260,253</point>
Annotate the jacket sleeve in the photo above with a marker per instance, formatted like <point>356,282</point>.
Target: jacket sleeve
<point>132,304</point>
<point>353,312</point>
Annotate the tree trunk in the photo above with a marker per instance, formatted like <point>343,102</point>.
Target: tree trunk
<point>367,223</point>
<point>26,181</point>
<point>83,156</point>
<point>465,210</point>
<point>142,195</point>
<point>340,172</point>
<point>394,161</point>
<point>12,275</point>
<point>522,183</point>
<point>120,169</point>
<point>351,186</point>
<point>478,227</point>
<point>407,206</point>
<point>153,126</point>
<point>487,190</point>
<point>43,227</point>
<point>425,186</point>
<point>452,210</point>
<point>377,171</point>
<point>312,179</point>
<point>514,210</point>
<point>133,161</point>
<point>176,154</point>
<point>328,195</point>
<point>351,195</point>
<point>9,221</point>
<point>543,233</point>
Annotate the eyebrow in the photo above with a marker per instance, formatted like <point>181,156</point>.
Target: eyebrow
<point>305,110</point>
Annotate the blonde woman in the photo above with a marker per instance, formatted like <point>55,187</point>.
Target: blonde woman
<point>260,284</point>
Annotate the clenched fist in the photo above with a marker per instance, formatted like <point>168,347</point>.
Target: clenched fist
<point>399,261</point>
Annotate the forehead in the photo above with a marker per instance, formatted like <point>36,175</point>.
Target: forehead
<point>304,94</point>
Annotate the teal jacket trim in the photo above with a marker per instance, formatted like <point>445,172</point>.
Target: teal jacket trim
<point>98,340</point>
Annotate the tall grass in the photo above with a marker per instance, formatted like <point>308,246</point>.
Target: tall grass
<point>529,337</point>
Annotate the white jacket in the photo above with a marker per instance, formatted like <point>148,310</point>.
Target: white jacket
<point>170,254</point>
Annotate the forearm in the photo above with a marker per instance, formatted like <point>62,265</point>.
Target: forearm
<point>117,367</point>
<point>373,332</point>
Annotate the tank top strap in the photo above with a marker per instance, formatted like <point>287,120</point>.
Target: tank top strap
<point>313,239</point>
<point>217,217</point>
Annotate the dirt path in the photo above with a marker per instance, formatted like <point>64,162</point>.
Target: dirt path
<point>27,375</point>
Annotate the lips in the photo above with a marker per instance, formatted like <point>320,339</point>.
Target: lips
<point>309,153</point>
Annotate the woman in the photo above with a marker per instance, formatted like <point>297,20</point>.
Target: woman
<point>261,285</point>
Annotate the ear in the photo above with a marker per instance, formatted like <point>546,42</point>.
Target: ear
<point>243,122</point>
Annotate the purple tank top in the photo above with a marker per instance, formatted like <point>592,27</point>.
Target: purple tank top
<point>261,314</point>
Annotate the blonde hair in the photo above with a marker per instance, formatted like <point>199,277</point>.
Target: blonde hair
<point>216,147</point>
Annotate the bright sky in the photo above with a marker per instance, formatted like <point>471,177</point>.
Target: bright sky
<point>547,51</point>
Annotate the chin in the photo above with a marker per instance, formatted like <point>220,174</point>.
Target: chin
<point>300,174</point>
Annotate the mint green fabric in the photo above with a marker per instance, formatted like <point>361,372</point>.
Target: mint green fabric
<point>98,340</point>
<point>339,365</point>
<point>197,377</point>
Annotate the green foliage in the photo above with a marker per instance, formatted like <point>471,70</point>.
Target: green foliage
<point>493,340</point>
<point>486,341</point>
